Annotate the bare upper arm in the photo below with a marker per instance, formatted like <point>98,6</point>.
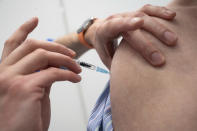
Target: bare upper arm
<point>153,99</point>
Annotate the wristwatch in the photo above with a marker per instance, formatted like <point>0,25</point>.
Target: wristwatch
<point>83,28</point>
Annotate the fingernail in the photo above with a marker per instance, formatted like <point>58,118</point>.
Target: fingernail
<point>157,58</point>
<point>170,37</point>
<point>169,12</point>
<point>73,53</point>
<point>32,19</point>
<point>79,68</point>
<point>78,78</point>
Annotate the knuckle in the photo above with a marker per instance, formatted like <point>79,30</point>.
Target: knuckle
<point>23,28</point>
<point>59,47</point>
<point>40,52</point>
<point>161,30</point>
<point>68,59</point>
<point>54,71</point>
<point>70,76</point>
<point>139,14</point>
<point>31,44</point>
<point>162,8</point>
<point>145,7</point>
<point>30,41</point>
<point>108,23</point>
<point>41,55</point>
<point>112,17</point>
<point>9,42</point>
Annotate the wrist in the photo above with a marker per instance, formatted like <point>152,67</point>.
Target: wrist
<point>89,35</point>
<point>85,33</point>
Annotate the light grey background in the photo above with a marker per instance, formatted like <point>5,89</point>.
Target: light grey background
<point>71,103</point>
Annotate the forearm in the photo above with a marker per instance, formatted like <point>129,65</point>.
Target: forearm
<point>71,41</point>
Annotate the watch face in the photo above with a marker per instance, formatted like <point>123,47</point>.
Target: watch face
<point>85,25</point>
<point>80,30</point>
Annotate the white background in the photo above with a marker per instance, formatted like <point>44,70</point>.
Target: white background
<point>71,103</point>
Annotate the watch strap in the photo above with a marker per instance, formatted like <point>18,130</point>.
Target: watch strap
<point>83,41</point>
<point>82,30</point>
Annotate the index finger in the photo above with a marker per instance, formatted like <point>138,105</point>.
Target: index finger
<point>19,36</point>
<point>112,28</point>
<point>158,11</point>
<point>42,59</point>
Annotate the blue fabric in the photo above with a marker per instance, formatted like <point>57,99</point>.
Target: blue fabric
<point>101,117</point>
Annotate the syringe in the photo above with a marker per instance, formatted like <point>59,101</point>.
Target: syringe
<point>86,65</point>
<point>92,67</point>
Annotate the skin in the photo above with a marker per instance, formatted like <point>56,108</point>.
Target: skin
<point>119,24</point>
<point>104,32</point>
<point>158,99</point>
<point>24,92</point>
<point>24,87</point>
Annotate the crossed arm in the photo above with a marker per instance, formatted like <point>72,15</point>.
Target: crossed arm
<point>104,32</point>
